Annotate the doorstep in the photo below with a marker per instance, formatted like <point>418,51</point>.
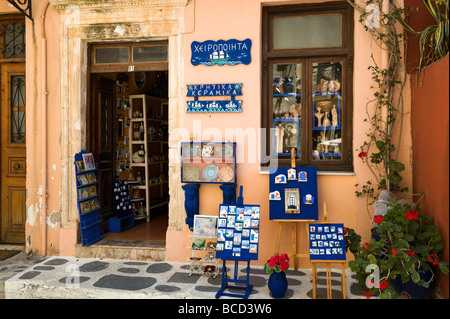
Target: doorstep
<point>123,249</point>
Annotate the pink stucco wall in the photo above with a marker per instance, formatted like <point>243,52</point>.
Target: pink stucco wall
<point>235,19</point>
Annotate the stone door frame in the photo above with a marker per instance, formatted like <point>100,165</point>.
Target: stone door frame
<point>85,21</point>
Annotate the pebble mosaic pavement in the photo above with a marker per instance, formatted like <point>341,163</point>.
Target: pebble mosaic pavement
<point>111,278</point>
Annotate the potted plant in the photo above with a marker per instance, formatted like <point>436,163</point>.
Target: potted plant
<point>407,253</point>
<point>277,267</point>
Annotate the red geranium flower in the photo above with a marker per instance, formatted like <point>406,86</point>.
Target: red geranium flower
<point>366,245</point>
<point>367,294</point>
<point>411,253</point>
<point>434,259</point>
<point>345,231</point>
<point>378,219</point>
<point>383,285</point>
<point>394,252</point>
<point>362,155</point>
<point>412,215</point>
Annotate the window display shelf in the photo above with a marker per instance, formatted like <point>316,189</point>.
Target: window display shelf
<point>208,162</point>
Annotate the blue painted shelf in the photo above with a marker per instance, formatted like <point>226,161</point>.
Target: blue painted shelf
<point>88,202</point>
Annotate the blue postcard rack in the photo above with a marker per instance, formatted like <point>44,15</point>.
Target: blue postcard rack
<point>125,216</point>
<point>238,241</point>
<point>88,201</point>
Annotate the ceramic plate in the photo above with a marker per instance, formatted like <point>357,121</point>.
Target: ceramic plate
<point>227,150</point>
<point>226,174</point>
<point>210,172</point>
<point>191,173</point>
<point>189,151</point>
<point>207,150</point>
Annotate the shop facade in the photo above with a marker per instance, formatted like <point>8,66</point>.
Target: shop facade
<point>61,65</point>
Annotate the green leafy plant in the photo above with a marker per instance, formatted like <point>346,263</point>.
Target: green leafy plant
<point>277,263</point>
<point>408,243</point>
<point>380,151</point>
<point>434,39</point>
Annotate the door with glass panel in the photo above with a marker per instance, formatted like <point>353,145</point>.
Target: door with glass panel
<point>13,150</point>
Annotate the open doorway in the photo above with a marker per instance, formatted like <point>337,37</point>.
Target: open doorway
<point>125,80</point>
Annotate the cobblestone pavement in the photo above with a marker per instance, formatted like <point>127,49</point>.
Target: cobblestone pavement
<point>37,277</point>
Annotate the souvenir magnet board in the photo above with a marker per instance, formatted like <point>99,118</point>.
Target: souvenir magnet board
<point>238,232</point>
<point>326,242</point>
<point>293,194</point>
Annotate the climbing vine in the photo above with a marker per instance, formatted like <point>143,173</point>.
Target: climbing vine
<point>385,110</point>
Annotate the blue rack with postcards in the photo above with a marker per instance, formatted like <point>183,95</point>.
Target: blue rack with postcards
<point>237,240</point>
<point>125,219</point>
<point>88,198</point>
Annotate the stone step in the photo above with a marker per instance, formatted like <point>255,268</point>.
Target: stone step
<point>123,249</point>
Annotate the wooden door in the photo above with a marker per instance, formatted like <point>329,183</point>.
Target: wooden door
<point>101,141</point>
<point>13,153</point>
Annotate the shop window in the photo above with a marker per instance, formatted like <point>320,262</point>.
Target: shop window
<point>307,85</point>
<point>126,57</point>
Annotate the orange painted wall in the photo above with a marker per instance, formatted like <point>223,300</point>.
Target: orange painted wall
<point>430,140</point>
<point>211,20</point>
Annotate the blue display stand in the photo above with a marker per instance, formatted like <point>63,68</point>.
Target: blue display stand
<point>304,180</point>
<point>125,219</point>
<point>88,200</point>
<point>238,241</point>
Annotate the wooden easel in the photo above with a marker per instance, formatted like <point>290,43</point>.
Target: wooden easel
<point>295,255</point>
<point>327,268</point>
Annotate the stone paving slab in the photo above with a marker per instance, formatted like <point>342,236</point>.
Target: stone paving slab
<point>91,278</point>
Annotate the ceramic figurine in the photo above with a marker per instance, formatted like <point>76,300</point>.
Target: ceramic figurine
<point>191,203</point>
<point>291,174</point>
<point>334,116</point>
<point>302,176</point>
<point>275,195</point>
<point>319,116</point>
<point>280,179</point>
<point>308,199</point>
<point>326,120</point>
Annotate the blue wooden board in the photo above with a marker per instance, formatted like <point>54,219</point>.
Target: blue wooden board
<point>224,89</point>
<point>326,242</point>
<point>238,232</point>
<point>214,106</point>
<point>221,52</point>
<point>309,210</point>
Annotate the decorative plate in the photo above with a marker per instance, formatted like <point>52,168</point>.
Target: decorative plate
<point>189,151</point>
<point>210,172</point>
<point>227,150</point>
<point>191,173</point>
<point>207,150</point>
<point>334,86</point>
<point>226,174</point>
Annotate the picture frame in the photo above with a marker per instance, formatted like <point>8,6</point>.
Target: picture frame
<point>205,226</point>
<point>91,178</point>
<point>286,135</point>
<point>88,159</point>
<point>83,193</point>
<point>94,204</point>
<point>80,166</point>
<point>82,180</point>
<point>92,190</point>
<point>85,207</point>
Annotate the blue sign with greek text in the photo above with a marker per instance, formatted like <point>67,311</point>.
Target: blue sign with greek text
<point>221,52</point>
<point>224,106</point>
